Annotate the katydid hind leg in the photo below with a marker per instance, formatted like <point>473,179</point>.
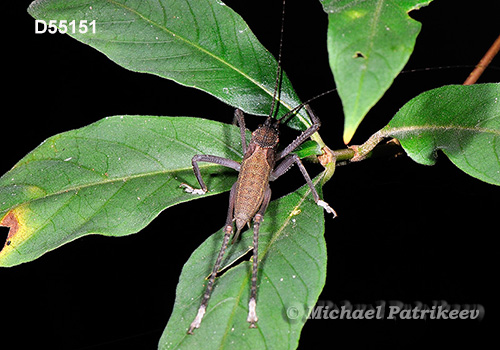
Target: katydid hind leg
<point>208,159</point>
<point>228,231</point>
<point>252,304</point>
<point>288,162</point>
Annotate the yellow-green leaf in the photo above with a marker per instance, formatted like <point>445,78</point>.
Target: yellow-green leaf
<point>369,42</point>
<point>111,178</point>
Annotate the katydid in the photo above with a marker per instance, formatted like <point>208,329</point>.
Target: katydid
<point>251,193</point>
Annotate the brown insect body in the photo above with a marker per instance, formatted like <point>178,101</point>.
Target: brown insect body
<point>251,193</point>
<point>253,179</point>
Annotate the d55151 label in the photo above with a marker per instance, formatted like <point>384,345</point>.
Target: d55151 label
<point>63,26</point>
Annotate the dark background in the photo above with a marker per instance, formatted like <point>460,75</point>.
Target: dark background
<point>404,232</point>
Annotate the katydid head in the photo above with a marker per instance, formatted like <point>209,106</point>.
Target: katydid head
<point>266,135</point>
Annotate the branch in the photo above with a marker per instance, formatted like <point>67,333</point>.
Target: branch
<point>485,61</point>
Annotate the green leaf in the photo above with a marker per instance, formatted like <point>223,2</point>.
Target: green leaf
<point>197,43</point>
<point>292,271</point>
<point>369,42</point>
<point>112,177</point>
<point>307,149</point>
<point>462,121</point>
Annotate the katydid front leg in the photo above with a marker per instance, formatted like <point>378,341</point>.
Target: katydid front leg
<point>302,137</point>
<point>238,115</point>
<point>209,159</point>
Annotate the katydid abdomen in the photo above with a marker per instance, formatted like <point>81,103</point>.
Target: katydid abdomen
<point>253,180</point>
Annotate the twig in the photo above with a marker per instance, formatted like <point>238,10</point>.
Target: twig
<point>361,152</point>
<point>485,61</point>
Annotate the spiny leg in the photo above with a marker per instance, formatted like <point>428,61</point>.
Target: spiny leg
<point>282,168</point>
<point>209,159</point>
<point>228,231</point>
<point>302,137</point>
<point>252,304</point>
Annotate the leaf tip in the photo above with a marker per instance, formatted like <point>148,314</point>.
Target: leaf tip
<point>348,134</point>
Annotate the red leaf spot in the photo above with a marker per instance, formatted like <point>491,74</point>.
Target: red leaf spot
<point>10,220</point>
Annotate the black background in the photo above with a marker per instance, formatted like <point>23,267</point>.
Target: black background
<point>404,232</point>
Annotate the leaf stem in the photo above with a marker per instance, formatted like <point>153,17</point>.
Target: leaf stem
<point>316,137</point>
<point>363,151</point>
<point>356,153</point>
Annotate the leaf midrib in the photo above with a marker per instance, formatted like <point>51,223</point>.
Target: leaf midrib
<point>394,131</point>
<point>204,51</point>
<point>101,183</point>
<point>373,30</point>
